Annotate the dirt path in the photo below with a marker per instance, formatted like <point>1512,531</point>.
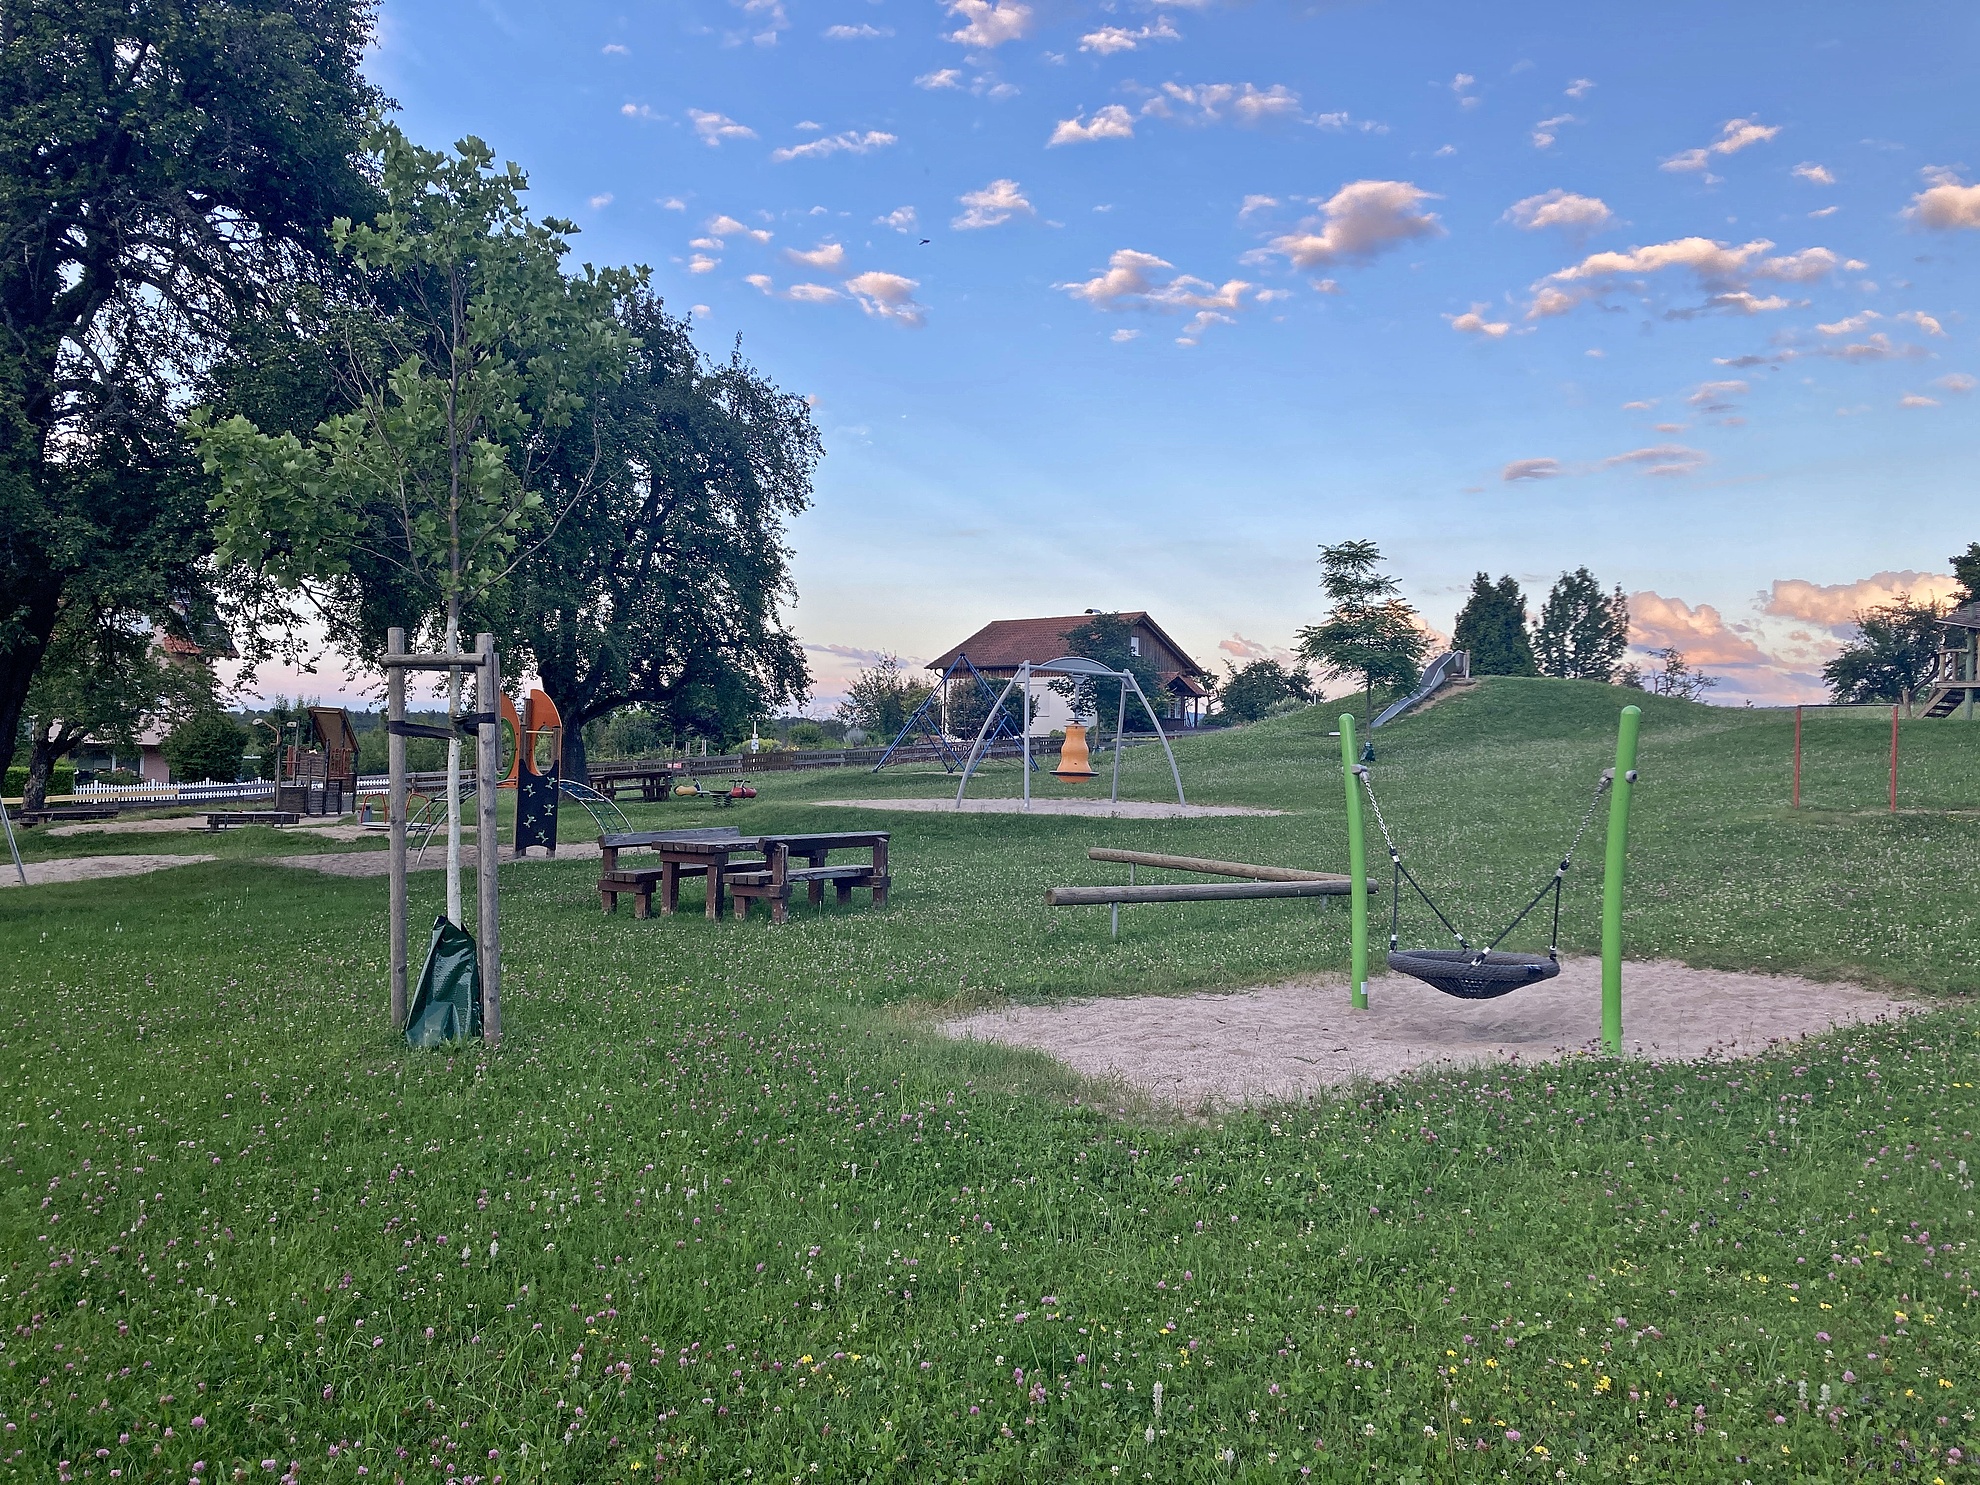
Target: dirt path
<point>92,868</point>
<point>1126,809</point>
<point>1282,1041</point>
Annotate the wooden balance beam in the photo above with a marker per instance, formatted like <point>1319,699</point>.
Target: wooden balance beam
<point>1194,892</point>
<point>1219,868</point>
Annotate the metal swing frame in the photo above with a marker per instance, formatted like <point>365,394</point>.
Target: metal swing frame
<point>1070,665</point>
<point>934,700</point>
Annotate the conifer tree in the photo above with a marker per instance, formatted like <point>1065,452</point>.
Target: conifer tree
<point>1492,628</point>
<point>1581,632</point>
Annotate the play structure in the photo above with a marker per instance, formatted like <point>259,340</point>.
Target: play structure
<point>930,720</point>
<point>1074,666</point>
<point>1467,971</point>
<point>320,778</point>
<point>1452,665</point>
<point>1261,882</point>
<point>451,961</point>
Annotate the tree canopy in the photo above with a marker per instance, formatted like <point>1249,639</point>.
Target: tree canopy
<point>1491,628</point>
<point>1250,692</point>
<point>165,165</point>
<point>1966,568</point>
<point>1109,639</point>
<point>1370,634</point>
<point>1895,647</point>
<point>1582,632</point>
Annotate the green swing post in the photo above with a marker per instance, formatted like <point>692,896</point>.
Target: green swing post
<point>1357,870</point>
<point>1612,879</point>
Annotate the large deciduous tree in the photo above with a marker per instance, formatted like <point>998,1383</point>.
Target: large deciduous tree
<point>1893,652</point>
<point>663,587</point>
<point>1582,632</point>
<point>163,165</point>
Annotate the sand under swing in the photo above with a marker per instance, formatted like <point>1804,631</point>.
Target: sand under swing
<point>1280,1042</point>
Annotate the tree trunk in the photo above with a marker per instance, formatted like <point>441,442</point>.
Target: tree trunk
<point>39,603</point>
<point>575,767</point>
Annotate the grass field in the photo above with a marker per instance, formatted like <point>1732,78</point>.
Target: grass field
<point>723,1208</point>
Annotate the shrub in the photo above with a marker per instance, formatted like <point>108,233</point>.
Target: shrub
<point>207,745</point>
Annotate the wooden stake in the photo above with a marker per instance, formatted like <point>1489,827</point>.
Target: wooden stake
<point>487,851</point>
<point>395,815</point>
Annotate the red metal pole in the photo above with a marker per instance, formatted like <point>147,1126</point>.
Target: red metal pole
<point>1797,757</point>
<point>1894,740</point>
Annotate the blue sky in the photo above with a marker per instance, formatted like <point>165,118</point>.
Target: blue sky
<point>1686,296</point>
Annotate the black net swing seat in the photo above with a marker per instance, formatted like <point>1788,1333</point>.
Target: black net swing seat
<point>1470,975</point>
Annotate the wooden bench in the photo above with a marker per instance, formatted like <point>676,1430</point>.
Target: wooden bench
<point>222,819</point>
<point>777,879</point>
<point>64,814</point>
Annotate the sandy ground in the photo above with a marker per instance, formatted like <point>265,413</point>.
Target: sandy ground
<point>1126,809</point>
<point>1279,1042</point>
<point>327,828</point>
<point>91,868</point>
<point>379,863</point>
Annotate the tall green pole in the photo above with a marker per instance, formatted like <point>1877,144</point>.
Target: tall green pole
<point>1612,879</point>
<point>1357,869</point>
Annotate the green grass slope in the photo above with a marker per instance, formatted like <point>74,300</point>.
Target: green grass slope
<point>716,1211</point>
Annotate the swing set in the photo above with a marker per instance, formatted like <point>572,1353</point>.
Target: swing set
<point>1469,972</point>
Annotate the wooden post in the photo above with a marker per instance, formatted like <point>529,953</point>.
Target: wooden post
<point>1894,751</point>
<point>488,849</point>
<point>1797,758</point>
<point>395,815</point>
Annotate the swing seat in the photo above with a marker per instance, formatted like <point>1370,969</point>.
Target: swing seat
<point>1473,976</point>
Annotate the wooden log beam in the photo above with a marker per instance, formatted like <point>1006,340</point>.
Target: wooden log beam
<point>1213,868</point>
<point>1192,892</point>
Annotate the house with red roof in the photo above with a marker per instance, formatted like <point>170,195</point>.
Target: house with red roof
<point>1000,647</point>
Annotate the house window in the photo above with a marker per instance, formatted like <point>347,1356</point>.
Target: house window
<point>1134,644</point>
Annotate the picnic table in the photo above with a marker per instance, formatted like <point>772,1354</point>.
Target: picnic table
<point>776,878</point>
<point>714,853</point>
<point>64,814</point>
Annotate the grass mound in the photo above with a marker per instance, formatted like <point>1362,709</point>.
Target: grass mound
<point>717,1207</point>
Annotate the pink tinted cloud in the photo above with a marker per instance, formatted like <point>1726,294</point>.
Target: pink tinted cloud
<point>1834,606</point>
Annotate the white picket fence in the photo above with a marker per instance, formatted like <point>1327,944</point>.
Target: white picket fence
<point>170,793</point>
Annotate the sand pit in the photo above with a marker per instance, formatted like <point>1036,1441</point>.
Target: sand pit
<point>1281,1042</point>
<point>1125,809</point>
<point>92,868</point>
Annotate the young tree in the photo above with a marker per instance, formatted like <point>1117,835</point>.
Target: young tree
<point>663,587</point>
<point>1250,693</point>
<point>1370,633</point>
<point>1491,628</point>
<point>164,167</point>
<point>467,369</point>
<point>206,746</point>
<point>1674,676</point>
<point>1108,639</point>
<point>1894,650</point>
<point>1581,632</point>
<point>882,698</point>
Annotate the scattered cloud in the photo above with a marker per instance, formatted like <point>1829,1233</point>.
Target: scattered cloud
<point>1474,322</point>
<point>707,244</point>
<point>889,296</point>
<point>992,206</point>
<point>850,142</point>
<point>670,203</point>
<point>1721,270</point>
<point>702,263</point>
<point>1927,323</point>
<point>1958,381</point>
<point>1122,337</point>
<point>1578,215</point>
<point>811,293</point>
<point>947,77</point>
<point>1581,87</point>
<point>1834,606</point>
<point>1461,87</point>
<point>990,23</point>
<point>1358,222</point>
<point>1917,399</point>
<point>1876,346</point>
<point>1710,397</point>
<point>1817,175</point>
<point>901,219</point>
<point>726,226</point>
<point>1531,469</point>
<point>1660,459</point>
<point>828,256</point>
<point>599,202</point>
<point>1241,648</point>
<point>857,33</point>
<point>1210,103</point>
<point>1858,321</point>
<point>1825,211</point>
<point>1734,136</point>
<point>1548,130</point>
<point>1110,39</point>
<point>1945,205</point>
<point>1643,405</point>
<point>1111,122</point>
<point>713,128</point>
<point>1657,622</point>
<point>637,111</point>
<point>769,13</point>
<point>1142,281</point>
<point>1256,204</point>
<point>613,49</point>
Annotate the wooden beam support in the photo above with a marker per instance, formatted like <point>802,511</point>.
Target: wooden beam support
<point>1213,868</point>
<point>1193,892</point>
